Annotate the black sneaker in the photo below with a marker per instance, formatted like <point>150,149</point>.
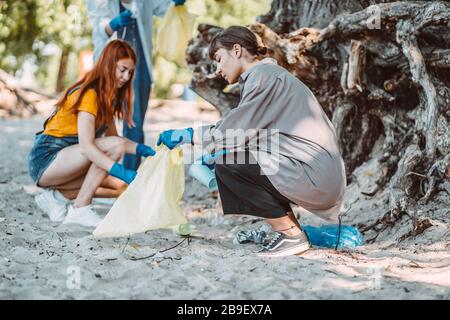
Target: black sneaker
<point>283,245</point>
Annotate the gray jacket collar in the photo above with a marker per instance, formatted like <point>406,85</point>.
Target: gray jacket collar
<point>243,77</point>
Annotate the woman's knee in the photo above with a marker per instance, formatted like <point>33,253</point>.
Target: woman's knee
<point>116,147</point>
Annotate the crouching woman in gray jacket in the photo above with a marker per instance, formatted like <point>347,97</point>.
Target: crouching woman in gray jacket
<point>280,147</point>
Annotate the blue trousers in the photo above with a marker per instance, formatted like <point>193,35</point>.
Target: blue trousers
<point>142,87</point>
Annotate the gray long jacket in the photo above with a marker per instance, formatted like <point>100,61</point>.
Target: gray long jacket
<point>296,146</point>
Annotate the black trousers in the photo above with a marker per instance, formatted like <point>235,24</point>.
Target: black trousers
<point>244,189</point>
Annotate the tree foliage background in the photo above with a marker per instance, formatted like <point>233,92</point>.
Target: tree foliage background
<point>28,27</point>
<point>32,29</point>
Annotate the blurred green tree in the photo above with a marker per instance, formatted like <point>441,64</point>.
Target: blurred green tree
<point>66,24</point>
<point>18,30</point>
<point>27,27</point>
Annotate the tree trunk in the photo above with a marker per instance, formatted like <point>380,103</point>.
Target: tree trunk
<point>380,69</point>
<point>62,72</point>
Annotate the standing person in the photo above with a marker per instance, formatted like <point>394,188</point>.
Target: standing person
<point>132,21</point>
<point>289,145</point>
<point>71,158</point>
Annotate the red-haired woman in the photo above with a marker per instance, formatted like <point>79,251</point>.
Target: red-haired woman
<point>76,155</point>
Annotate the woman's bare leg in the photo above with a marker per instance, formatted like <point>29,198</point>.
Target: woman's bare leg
<point>70,163</point>
<point>111,182</point>
<point>96,176</point>
<point>93,179</point>
<point>293,218</point>
<point>284,225</point>
<point>74,184</point>
<point>99,193</point>
<point>111,187</point>
<point>66,168</point>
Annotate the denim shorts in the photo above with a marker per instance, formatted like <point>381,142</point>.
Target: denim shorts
<point>44,151</point>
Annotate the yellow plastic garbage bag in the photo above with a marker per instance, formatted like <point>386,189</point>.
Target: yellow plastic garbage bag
<point>174,34</point>
<point>151,201</point>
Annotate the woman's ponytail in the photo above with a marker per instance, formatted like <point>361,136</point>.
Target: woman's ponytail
<point>236,35</point>
<point>262,51</point>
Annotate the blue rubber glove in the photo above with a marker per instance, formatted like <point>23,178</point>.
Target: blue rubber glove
<point>119,171</point>
<point>144,150</point>
<point>174,138</point>
<point>209,160</point>
<point>121,20</point>
<point>179,2</point>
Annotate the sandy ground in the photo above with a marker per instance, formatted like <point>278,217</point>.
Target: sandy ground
<point>40,259</point>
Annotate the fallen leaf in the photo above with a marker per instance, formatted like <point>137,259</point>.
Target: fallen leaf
<point>414,264</point>
<point>135,245</point>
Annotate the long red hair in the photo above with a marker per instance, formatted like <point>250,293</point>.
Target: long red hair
<point>111,101</point>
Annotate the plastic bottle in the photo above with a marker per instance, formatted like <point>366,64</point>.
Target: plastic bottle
<point>182,229</point>
<point>205,175</point>
<point>327,236</point>
<point>245,236</point>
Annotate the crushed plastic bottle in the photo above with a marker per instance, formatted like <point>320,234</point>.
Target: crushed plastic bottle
<point>327,236</point>
<point>258,236</point>
<point>246,236</point>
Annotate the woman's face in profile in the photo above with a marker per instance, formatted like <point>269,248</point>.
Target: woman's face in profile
<point>124,72</point>
<point>228,64</point>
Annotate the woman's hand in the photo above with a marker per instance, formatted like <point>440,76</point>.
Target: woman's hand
<point>119,171</point>
<point>209,160</point>
<point>144,150</point>
<point>173,138</point>
<point>121,20</point>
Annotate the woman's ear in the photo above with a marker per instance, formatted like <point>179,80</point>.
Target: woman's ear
<point>237,50</point>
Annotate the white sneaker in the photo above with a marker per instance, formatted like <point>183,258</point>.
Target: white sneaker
<point>85,216</point>
<point>53,203</point>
